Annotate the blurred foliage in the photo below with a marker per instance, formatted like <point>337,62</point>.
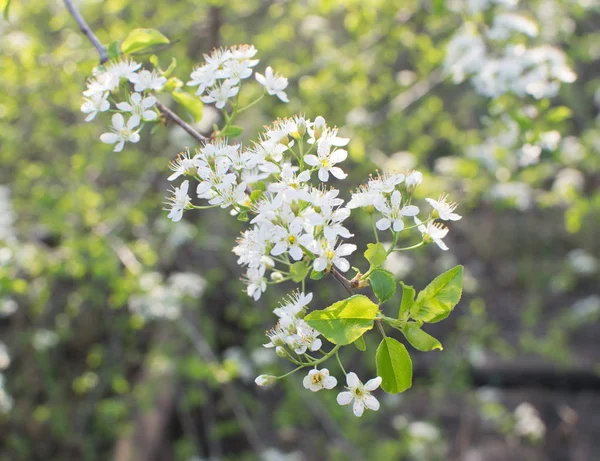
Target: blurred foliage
<point>89,228</point>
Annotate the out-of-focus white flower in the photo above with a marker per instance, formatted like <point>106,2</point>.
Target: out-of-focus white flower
<point>4,356</point>
<point>146,80</point>
<point>316,380</point>
<point>121,132</point>
<point>44,339</point>
<point>582,262</point>
<point>528,422</point>
<point>6,401</point>
<point>97,102</point>
<point>179,201</point>
<point>360,393</point>
<point>140,107</point>
<point>274,84</point>
<point>8,307</point>
<point>506,24</point>
<point>220,94</point>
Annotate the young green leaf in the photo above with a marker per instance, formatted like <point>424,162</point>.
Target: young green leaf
<point>114,50</point>
<point>314,275</point>
<point>419,339</point>
<point>394,366</point>
<point>383,284</point>
<point>345,321</point>
<point>360,344</point>
<point>298,271</point>
<point>231,131</point>
<point>408,299</point>
<point>375,254</point>
<point>438,299</point>
<point>190,102</point>
<point>142,39</point>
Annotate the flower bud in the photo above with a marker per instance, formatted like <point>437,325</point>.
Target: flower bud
<point>277,277</point>
<point>319,126</point>
<point>301,125</point>
<point>265,380</point>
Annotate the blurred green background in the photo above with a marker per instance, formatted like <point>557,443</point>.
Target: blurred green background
<point>84,241</point>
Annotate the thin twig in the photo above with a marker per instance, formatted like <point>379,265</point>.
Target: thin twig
<point>187,127</point>
<point>343,281</point>
<point>89,33</point>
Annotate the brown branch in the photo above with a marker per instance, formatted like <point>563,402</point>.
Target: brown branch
<point>89,33</point>
<point>174,117</point>
<point>343,280</point>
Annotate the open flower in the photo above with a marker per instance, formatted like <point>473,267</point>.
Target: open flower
<point>328,256</point>
<point>316,380</point>
<point>139,106</point>
<point>274,83</point>
<point>146,80</point>
<point>326,159</point>
<point>179,201</point>
<point>96,102</point>
<point>445,210</point>
<point>360,393</point>
<point>220,94</point>
<point>393,211</point>
<point>122,132</point>
<point>433,232</point>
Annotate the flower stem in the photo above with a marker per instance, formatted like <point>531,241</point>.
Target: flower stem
<point>421,243</point>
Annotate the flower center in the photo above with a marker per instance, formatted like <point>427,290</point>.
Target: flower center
<point>330,254</point>
<point>292,239</point>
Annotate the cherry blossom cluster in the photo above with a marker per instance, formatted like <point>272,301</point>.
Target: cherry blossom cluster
<point>294,220</point>
<point>294,339</point>
<point>497,60</point>
<point>107,86</point>
<point>220,77</point>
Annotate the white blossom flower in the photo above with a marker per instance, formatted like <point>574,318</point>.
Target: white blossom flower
<point>123,68</point>
<point>295,304</point>
<point>274,84</point>
<point>139,106</point>
<point>291,186</point>
<point>146,80</point>
<point>257,283</point>
<point>290,240</point>
<point>305,338</point>
<point>220,94</point>
<point>179,201</point>
<point>433,232</point>
<point>244,52</point>
<point>203,77</point>
<point>97,102</point>
<point>445,209</point>
<point>184,164</point>
<point>326,159</point>
<point>235,70</point>
<point>360,393</point>
<point>413,179</point>
<point>103,81</point>
<point>393,211</point>
<point>316,380</point>
<point>328,255</point>
<point>122,132</point>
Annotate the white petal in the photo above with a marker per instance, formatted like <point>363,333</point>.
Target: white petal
<point>125,106</point>
<point>358,408</point>
<point>383,224</point>
<point>320,264</point>
<point>371,402</point>
<point>344,398</point>
<point>119,146</point>
<point>373,384</point>
<point>316,345</point>
<point>339,155</point>
<point>296,253</point>
<point>346,249</point>
<point>118,121</point>
<point>352,380</point>
<point>398,225</point>
<point>311,160</point>
<point>338,172</point>
<point>410,210</point>
<point>329,382</point>
<point>323,175</point>
<point>109,138</point>
<point>306,382</point>
<point>342,264</point>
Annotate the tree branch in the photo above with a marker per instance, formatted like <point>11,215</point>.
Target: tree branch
<point>89,33</point>
<point>175,118</point>
<point>343,280</point>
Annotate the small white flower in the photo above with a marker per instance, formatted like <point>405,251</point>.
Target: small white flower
<point>328,256</point>
<point>290,240</point>
<point>393,211</point>
<point>236,70</point>
<point>184,164</point>
<point>265,380</point>
<point>95,103</point>
<point>257,283</point>
<point>316,380</point>
<point>146,80</point>
<point>326,159</point>
<point>360,393</point>
<point>121,132</point>
<point>274,83</point>
<point>294,305</point>
<point>414,179</point>
<point>221,94</point>
<point>103,81</point>
<point>305,338</point>
<point>445,210</point>
<point>140,107</point>
<point>433,232</point>
<point>203,77</point>
<point>179,201</point>
<point>124,68</point>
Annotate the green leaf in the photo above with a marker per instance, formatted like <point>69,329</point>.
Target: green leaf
<point>438,299</point>
<point>419,339</point>
<point>314,275</point>
<point>142,39</point>
<point>243,216</point>
<point>255,195</point>
<point>345,321</point>
<point>114,50</point>
<point>383,284</point>
<point>558,114</point>
<point>299,271</point>
<point>171,68</point>
<point>360,344</point>
<point>375,254</point>
<point>394,366</point>
<point>408,299</point>
<point>231,131</point>
<point>190,102</point>
<point>5,9</point>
